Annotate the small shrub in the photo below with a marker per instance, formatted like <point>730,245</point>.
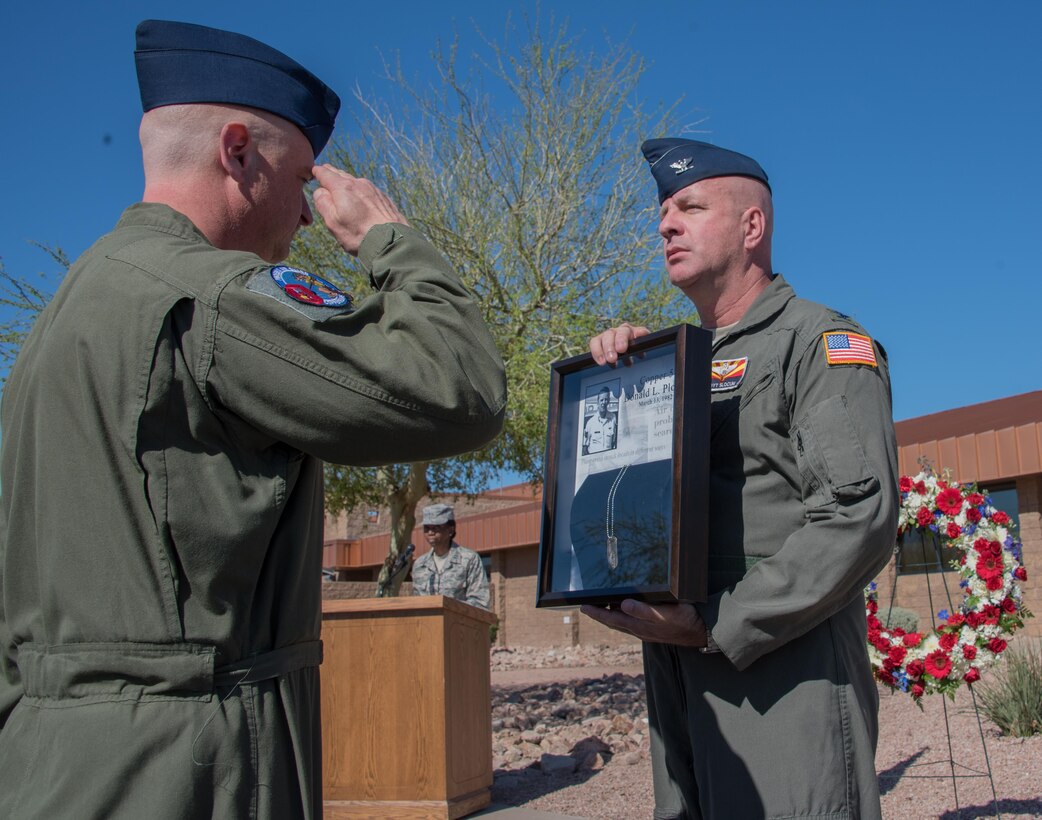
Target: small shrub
<point>898,617</point>
<point>1013,700</point>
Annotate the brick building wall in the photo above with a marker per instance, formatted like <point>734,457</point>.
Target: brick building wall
<point>513,585</point>
<point>1029,496</point>
<point>996,442</point>
<point>523,624</point>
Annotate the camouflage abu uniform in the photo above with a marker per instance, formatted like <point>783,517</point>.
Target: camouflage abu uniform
<point>463,576</point>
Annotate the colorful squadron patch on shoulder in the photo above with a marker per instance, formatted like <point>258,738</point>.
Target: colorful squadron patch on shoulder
<point>844,347</point>
<point>727,374</point>
<point>307,288</point>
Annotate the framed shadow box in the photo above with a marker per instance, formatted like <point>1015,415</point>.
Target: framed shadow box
<point>625,494</point>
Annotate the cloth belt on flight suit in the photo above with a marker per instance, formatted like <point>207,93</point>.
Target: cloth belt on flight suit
<point>131,670</point>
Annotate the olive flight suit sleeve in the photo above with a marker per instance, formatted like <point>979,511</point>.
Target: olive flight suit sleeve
<point>842,436</point>
<point>10,680</point>
<point>411,373</point>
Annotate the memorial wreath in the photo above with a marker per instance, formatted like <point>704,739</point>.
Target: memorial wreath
<point>987,555</point>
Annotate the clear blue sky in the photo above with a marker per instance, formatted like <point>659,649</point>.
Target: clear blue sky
<point>902,141</point>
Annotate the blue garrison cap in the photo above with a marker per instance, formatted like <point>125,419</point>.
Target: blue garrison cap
<point>185,63</point>
<point>676,163</point>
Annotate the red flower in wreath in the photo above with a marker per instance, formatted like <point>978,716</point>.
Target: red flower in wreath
<point>997,645</point>
<point>993,584</point>
<point>912,638</point>
<point>917,690</point>
<point>989,566</point>
<point>1000,518</point>
<point>924,517</point>
<point>920,487</point>
<point>949,501</point>
<point>956,619</point>
<point>948,640</point>
<point>915,669</point>
<point>972,676</point>
<point>973,515</point>
<point>969,651</point>
<point>976,499</point>
<point>938,664</point>
<point>905,484</point>
<point>1020,574</point>
<point>954,530</point>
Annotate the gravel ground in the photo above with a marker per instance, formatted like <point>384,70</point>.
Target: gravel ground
<point>913,759</point>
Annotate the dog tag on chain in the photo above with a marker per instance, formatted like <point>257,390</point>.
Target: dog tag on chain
<point>613,551</point>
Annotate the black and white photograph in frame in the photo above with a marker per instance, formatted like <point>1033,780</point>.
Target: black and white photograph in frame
<point>601,418</point>
<point>611,519</point>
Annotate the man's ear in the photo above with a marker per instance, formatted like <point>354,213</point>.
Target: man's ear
<point>236,146</point>
<point>754,225</point>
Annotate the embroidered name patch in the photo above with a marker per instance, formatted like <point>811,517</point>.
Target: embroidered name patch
<point>727,374</point>
<point>307,288</point>
<point>843,347</point>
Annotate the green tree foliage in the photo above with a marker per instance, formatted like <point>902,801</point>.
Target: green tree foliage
<point>24,300</point>
<point>524,169</point>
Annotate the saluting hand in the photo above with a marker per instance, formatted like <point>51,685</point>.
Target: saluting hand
<point>609,345</point>
<point>657,623</point>
<point>350,206</point>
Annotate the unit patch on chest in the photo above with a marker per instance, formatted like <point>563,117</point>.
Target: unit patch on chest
<point>306,293</point>
<point>727,374</point>
<point>844,347</point>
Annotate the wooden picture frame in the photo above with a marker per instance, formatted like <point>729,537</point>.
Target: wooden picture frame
<point>626,487</point>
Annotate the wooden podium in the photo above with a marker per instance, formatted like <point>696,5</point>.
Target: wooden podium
<point>406,708</point>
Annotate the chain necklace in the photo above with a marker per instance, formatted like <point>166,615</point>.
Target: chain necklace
<point>612,548</point>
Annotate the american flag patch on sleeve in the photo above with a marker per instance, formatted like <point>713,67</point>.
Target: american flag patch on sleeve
<point>843,347</point>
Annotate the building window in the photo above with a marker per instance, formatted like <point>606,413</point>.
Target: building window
<point>919,555</point>
<point>486,563</point>
<point>372,516</point>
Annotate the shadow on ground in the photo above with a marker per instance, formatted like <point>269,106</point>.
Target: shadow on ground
<point>889,778</point>
<point>515,787</point>
<point>1031,807</point>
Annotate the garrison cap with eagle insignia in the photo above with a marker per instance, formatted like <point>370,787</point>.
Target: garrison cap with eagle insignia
<point>676,163</point>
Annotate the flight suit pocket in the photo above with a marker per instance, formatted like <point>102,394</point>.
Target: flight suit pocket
<point>829,455</point>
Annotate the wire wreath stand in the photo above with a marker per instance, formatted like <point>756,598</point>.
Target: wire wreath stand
<point>956,771</point>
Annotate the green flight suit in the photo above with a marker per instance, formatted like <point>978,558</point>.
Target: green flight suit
<point>782,722</point>
<point>161,517</point>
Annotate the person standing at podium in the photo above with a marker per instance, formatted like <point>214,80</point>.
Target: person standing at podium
<point>448,569</point>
